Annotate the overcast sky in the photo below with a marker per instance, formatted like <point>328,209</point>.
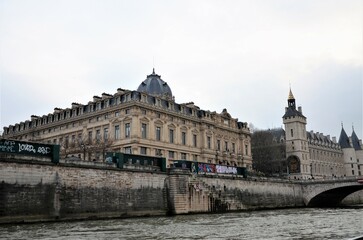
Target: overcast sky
<point>238,55</point>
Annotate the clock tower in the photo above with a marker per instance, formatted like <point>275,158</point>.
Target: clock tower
<point>297,150</point>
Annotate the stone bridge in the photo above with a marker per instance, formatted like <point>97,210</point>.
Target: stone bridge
<point>329,193</point>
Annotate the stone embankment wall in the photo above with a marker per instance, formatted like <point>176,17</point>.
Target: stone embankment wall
<point>39,191</point>
<point>33,190</point>
<point>192,194</point>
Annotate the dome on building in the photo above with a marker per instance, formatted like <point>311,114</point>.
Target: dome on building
<point>154,85</point>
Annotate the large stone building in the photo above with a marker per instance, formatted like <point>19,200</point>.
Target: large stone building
<point>147,121</point>
<point>297,153</point>
<point>315,155</point>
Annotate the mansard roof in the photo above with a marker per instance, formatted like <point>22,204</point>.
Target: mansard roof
<point>344,139</point>
<point>355,141</point>
<point>320,139</point>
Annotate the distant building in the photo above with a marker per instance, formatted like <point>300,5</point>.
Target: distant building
<point>302,154</point>
<point>147,121</point>
<point>315,155</point>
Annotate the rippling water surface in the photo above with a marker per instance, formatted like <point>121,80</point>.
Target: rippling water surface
<point>340,223</point>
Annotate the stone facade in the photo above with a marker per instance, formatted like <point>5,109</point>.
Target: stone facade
<point>147,122</point>
<point>314,155</point>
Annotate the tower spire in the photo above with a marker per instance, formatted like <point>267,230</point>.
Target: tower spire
<point>291,100</point>
<point>291,96</point>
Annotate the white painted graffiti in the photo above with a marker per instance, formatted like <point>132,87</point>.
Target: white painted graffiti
<point>26,148</point>
<point>7,146</point>
<point>226,169</point>
<point>44,150</point>
<point>8,143</point>
<point>31,149</point>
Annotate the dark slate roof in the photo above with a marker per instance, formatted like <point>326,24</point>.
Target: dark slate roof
<point>154,85</point>
<point>320,139</point>
<point>355,141</point>
<point>344,139</point>
<point>291,112</point>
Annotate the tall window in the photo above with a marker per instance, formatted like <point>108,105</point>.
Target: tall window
<point>194,140</point>
<point>171,154</point>
<point>183,156</point>
<point>143,130</point>
<point>98,134</point>
<point>219,145</point>
<point>158,134</point>
<point>292,133</point>
<point>233,147</point>
<point>226,146</point>
<point>105,134</point>
<point>184,138</point>
<point>128,150</point>
<point>67,141</point>
<point>246,149</point>
<point>209,142</point>
<point>117,132</point>
<point>171,135</point>
<point>127,130</point>
<point>143,150</point>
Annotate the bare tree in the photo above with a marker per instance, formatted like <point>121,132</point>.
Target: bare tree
<point>84,145</point>
<point>269,151</point>
<point>102,145</point>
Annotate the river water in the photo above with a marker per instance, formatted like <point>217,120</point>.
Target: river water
<point>338,223</point>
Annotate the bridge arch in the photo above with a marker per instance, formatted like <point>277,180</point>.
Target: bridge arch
<point>329,194</point>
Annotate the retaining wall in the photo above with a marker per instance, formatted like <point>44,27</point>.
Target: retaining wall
<point>32,190</point>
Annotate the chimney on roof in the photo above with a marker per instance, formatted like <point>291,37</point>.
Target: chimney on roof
<point>74,104</point>
<point>57,110</point>
<point>299,109</point>
<point>120,91</point>
<point>95,98</point>
<point>34,117</point>
<point>105,95</point>
<point>335,139</point>
<point>328,137</point>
